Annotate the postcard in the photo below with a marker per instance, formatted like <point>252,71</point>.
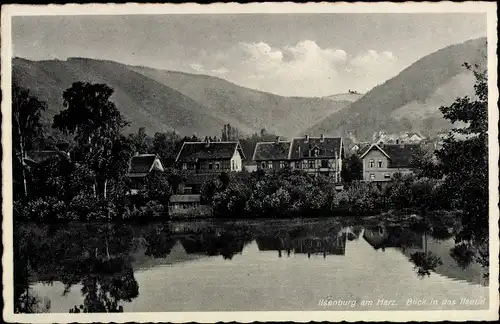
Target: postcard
<point>250,162</point>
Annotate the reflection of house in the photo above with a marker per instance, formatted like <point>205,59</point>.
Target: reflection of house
<point>381,162</point>
<point>37,157</point>
<point>202,161</point>
<point>308,244</point>
<point>314,155</point>
<point>214,244</point>
<point>381,237</point>
<point>187,205</point>
<point>140,167</point>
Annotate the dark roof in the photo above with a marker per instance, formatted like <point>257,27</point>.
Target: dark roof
<point>401,155</point>
<point>328,147</point>
<point>184,198</point>
<point>362,149</point>
<point>271,151</point>
<point>141,163</point>
<point>194,151</point>
<point>42,156</point>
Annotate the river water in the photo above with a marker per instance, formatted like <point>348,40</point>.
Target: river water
<point>327,264</point>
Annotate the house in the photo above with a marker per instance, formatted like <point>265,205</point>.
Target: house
<point>187,205</point>
<point>210,157</point>
<point>140,167</point>
<point>381,162</point>
<point>272,155</point>
<point>37,157</point>
<point>314,155</point>
<point>203,161</point>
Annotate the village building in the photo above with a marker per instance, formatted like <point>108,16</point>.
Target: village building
<point>314,155</point>
<point>203,161</point>
<point>36,157</point>
<point>187,205</point>
<point>381,162</point>
<point>272,155</point>
<point>140,166</point>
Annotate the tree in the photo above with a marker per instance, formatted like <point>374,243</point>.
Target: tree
<point>96,122</point>
<point>26,127</point>
<point>141,141</point>
<point>352,169</point>
<point>166,146</point>
<point>464,162</point>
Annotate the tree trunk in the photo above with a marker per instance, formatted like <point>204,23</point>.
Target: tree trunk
<point>105,188</point>
<point>22,153</point>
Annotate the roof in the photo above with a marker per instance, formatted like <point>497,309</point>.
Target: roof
<point>194,151</point>
<point>328,147</point>
<point>140,165</point>
<point>271,151</point>
<point>42,156</point>
<point>399,155</point>
<point>184,198</point>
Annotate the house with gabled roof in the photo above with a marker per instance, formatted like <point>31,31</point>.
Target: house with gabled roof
<point>140,166</point>
<point>203,161</point>
<point>382,161</point>
<point>37,157</point>
<point>314,155</point>
<point>210,157</point>
<point>272,155</point>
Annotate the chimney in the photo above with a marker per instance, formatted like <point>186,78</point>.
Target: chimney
<point>277,139</point>
<point>207,142</point>
<point>322,138</point>
<point>306,140</point>
<point>397,141</point>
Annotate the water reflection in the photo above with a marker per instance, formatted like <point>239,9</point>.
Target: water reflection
<point>102,260</point>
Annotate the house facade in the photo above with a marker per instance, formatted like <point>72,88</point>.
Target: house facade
<point>314,155</point>
<point>140,166</point>
<point>187,205</point>
<point>203,161</point>
<point>381,162</point>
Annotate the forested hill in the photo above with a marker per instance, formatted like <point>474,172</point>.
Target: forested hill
<point>164,100</point>
<point>411,100</point>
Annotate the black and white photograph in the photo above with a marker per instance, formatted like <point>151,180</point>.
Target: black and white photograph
<point>250,162</point>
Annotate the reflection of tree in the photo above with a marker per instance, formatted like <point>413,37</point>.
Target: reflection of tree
<point>95,256</point>
<point>425,261</point>
<point>159,242</point>
<point>108,283</point>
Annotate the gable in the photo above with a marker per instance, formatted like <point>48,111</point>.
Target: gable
<point>328,147</point>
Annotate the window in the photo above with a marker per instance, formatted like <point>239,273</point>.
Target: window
<point>282,164</point>
<point>184,166</point>
<point>387,176</point>
<point>217,165</point>
<point>372,176</point>
<point>270,164</point>
<point>210,166</point>
<point>372,163</point>
<point>263,165</point>
<point>233,165</point>
<point>379,163</point>
<point>324,163</point>
<point>311,164</point>
<point>297,164</point>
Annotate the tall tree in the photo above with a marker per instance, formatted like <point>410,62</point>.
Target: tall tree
<point>96,123</point>
<point>464,162</point>
<point>26,126</point>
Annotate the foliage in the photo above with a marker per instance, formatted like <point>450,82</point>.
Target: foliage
<point>352,169</point>
<point>464,162</point>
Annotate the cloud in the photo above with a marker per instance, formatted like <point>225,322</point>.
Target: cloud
<point>301,69</point>
<point>197,67</point>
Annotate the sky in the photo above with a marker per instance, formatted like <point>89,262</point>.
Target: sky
<point>287,54</point>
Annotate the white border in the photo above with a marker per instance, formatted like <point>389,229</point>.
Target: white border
<point>267,8</point>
